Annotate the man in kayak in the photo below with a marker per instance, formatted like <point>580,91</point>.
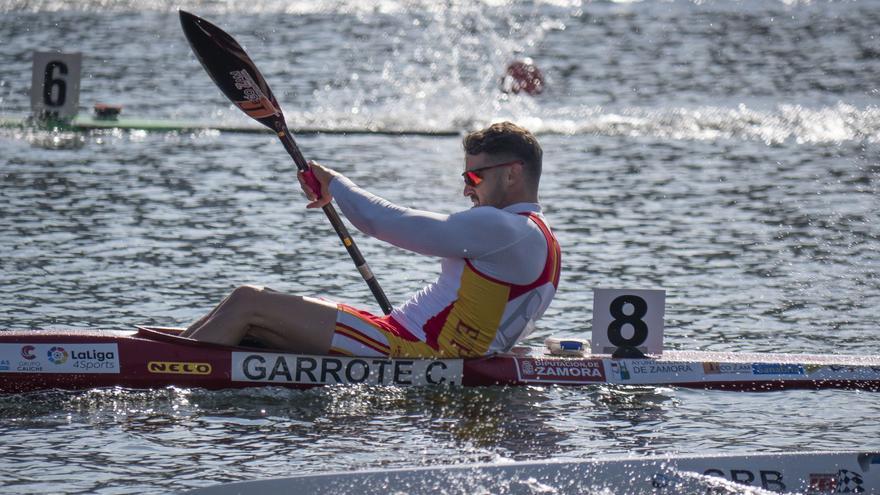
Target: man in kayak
<point>499,269</point>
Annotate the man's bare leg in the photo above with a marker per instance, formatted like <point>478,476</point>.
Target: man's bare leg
<point>283,321</point>
<point>194,326</point>
<point>198,323</point>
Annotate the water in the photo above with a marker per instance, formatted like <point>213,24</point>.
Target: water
<point>725,152</point>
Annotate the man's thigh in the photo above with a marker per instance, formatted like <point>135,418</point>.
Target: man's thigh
<point>293,323</point>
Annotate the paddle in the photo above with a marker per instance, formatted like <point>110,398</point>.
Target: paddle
<point>238,78</point>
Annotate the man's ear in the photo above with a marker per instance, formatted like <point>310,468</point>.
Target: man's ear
<point>517,172</point>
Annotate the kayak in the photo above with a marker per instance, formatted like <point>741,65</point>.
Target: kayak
<point>154,357</point>
<point>803,472</point>
<point>85,123</point>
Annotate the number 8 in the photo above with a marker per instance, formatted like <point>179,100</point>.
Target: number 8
<point>641,328</point>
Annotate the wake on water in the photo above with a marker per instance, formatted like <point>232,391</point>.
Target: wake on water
<point>712,71</point>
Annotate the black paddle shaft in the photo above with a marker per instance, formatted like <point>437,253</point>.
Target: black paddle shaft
<point>235,74</point>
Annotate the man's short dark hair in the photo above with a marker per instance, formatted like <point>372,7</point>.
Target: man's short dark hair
<point>507,138</point>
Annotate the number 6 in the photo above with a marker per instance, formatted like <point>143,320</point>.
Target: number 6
<point>51,82</point>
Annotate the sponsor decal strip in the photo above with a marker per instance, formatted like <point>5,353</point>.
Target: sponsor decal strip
<point>559,370</point>
<point>638,371</point>
<point>777,369</point>
<point>648,371</point>
<point>59,358</point>
<point>179,368</point>
<point>812,473</point>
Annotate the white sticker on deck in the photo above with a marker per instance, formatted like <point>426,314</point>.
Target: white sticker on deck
<point>59,358</point>
<point>649,371</point>
<point>329,370</point>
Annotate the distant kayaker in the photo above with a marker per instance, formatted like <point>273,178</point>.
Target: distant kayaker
<point>499,269</point>
<point>522,76</point>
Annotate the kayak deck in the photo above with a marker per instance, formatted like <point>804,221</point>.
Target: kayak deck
<point>802,472</point>
<point>157,357</point>
<point>85,123</point>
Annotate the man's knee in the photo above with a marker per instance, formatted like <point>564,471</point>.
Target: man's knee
<point>254,297</point>
<point>247,294</point>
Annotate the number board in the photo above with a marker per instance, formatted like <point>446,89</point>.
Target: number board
<point>625,318</point>
<point>55,84</point>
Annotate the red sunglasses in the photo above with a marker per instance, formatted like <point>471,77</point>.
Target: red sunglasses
<point>474,177</point>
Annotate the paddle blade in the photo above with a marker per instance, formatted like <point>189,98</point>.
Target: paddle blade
<point>232,70</point>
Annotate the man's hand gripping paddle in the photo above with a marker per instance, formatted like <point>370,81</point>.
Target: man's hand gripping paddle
<point>238,78</point>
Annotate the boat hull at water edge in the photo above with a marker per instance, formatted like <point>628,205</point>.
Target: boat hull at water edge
<point>802,472</point>
<point>157,357</point>
<point>85,124</point>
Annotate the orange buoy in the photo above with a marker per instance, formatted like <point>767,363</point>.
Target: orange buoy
<point>522,75</point>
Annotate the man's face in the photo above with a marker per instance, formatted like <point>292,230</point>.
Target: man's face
<point>491,190</point>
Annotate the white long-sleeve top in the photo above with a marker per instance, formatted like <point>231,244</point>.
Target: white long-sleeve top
<point>503,244</point>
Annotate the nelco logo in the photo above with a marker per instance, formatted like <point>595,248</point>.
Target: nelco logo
<point>178,368</point>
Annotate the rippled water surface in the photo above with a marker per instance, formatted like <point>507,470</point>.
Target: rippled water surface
<point>727,152</point>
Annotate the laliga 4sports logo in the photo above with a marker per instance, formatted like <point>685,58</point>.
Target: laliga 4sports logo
<point>57,355</point>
